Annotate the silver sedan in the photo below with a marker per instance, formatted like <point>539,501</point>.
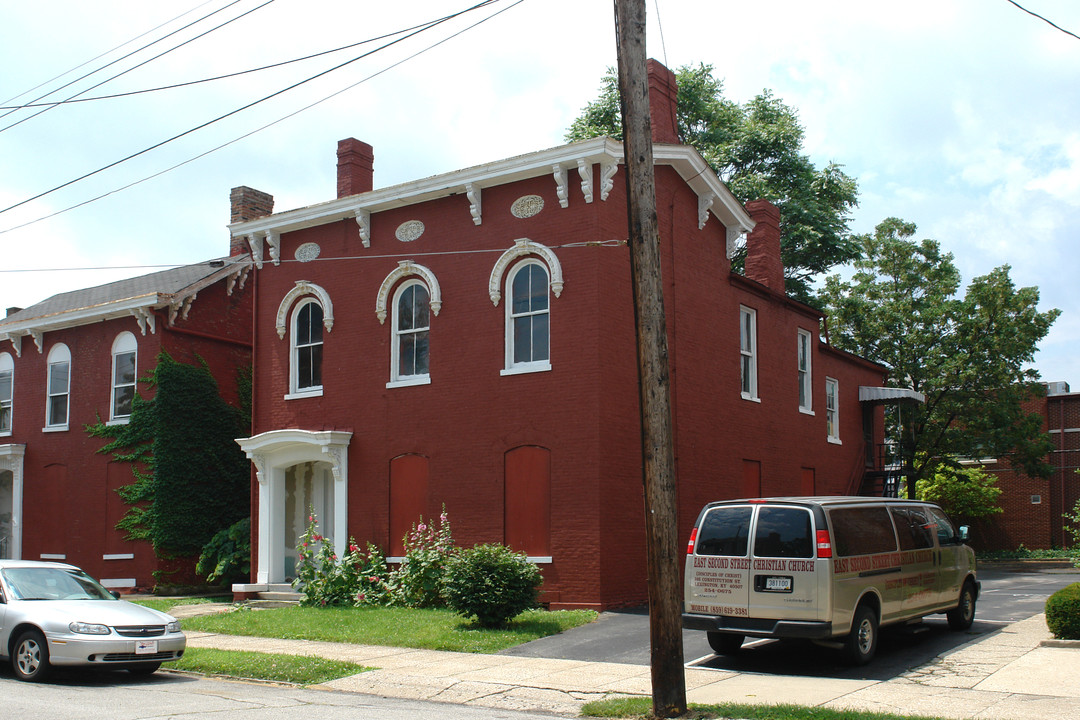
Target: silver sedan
<point>54,614</point>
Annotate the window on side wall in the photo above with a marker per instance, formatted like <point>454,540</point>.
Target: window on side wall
<point>409,351</point>
<point>832,416</point>
<point>805,374</point>
<point>7,391</point>
<point>307,348</point>
<point>528,326</point>
<point>59,388</point>
<point>748,351</point>
<point>124,354</point>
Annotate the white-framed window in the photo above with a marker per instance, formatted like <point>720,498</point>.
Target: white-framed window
<point>528,318</point>
<point>806,384</point>
<point>409,347</point>
<point>7,391</point>
<point>748,352</point>
<point>306,348</point>
<point>832,413</point>
<point>124,354</point>
<point>59,388</point>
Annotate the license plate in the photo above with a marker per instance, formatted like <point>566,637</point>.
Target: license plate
<point>778,584</point>
<point>145,647</point>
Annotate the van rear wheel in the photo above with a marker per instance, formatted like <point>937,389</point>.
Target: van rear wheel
<point>861,644</point>
<point>725,643</point>
<point>961,616</point>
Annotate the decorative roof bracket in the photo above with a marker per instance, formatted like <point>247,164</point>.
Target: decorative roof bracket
<point>363,219</point>
<point>473,192</point>
<point>145,317</point>
<point>704,203</point>
<point>585,171</point>
<point>560,185</point>
<point>608,168</point>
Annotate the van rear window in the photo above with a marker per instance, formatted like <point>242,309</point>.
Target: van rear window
<point>783,532</point>
<point>724,531</point>
<point>862,531</point>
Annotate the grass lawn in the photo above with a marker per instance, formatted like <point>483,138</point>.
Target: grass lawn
<point>265,666</point>
<point>398,627</point>
<point>641,707</point>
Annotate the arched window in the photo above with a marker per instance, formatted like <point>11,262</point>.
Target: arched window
<point>411,324</point>
<point>7,390</point>
<point>307,348</point>
<point>124,354</point>
<point>528,342</point>
<point>59,387</point>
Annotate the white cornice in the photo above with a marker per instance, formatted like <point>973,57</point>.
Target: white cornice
<point>605,151</point>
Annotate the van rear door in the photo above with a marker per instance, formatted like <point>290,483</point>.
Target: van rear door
<point>784,582</point>
<point>718,569</point>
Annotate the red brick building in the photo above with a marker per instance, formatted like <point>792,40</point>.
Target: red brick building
<point>1033,507</point>
<point>467,341</point>
<point>73,360</point>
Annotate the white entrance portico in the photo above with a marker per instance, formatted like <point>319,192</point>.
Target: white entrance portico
<point>11,500</point>
<point>298,471</point>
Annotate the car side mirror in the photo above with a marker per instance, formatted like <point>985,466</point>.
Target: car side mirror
<point>964,531</point>
<point>116,595</point>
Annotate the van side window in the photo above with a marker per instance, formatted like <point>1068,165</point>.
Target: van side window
<point>783,532</point>
<point>724,531</point>
<point>946,532</point>
<point>862,531</point>
<point>913,528</point>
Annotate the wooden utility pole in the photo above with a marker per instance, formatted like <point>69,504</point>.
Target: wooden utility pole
<point>665,612</point>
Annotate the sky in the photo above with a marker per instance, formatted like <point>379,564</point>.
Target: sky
<point>960,116</point>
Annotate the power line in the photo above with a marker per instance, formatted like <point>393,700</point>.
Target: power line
<point>98,57</point>
<point>268,125</point>
<point>134,67</point>
<point>1048,22</point>
<point>244,107</point>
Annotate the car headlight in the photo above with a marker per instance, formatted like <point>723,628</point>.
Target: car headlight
<point>173,627</point>
<point>88,628</point>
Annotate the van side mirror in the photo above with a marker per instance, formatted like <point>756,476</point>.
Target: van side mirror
<point>964,531</point>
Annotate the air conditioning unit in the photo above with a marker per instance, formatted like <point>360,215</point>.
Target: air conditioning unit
<point>1057,388</point>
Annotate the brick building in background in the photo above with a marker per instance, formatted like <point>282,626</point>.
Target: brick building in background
<point>73,360</point>
<point>1033,507</point>
<point>467,341</point>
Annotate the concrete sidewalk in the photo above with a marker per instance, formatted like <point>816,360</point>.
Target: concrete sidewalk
<point>1007,675</point>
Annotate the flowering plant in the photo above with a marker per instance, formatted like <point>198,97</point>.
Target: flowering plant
<point>418,581</point>
<point>358,578</point>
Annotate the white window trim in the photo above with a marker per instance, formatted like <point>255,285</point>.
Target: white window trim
<point>521,368</point>
<point>806,376</point>
<point>124,343</point>
<point>59,353</point>
<point>752,353</point>
<point>833,437</point>
<point>295,391</point>
<point>8,365</point>
<point>395,339</point>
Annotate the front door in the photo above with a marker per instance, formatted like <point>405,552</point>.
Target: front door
<point>308,493</point>
<point>7,489</point>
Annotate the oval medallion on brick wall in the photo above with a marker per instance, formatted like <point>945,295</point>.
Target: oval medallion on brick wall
<point>409,231</point>
<point>307,252</point>
<point>527,206</point>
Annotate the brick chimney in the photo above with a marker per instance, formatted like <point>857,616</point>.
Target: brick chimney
<point>355,167</point>
<point>663,102</point>
<point>763,262</point>
<point>247,204</point>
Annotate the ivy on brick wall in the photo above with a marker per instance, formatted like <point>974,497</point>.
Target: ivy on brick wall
<point>191,479</point>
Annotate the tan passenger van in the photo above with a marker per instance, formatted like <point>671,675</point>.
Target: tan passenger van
<point>829,569</point>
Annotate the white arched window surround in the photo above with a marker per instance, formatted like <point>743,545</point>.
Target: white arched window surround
<point>306,348</point>
<point>58,388</point>
<point>528,325</point>
<point>288,311</point>
<point>406,275</point>
<point>7,392</point>
<point>524,253</point>
<point>125,350</point>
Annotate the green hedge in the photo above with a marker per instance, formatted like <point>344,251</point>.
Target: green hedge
<point>1063,613</point>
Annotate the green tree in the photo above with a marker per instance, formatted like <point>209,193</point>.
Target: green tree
<point>966,493</point>
<point>901,308</point>
<point>756,149</point>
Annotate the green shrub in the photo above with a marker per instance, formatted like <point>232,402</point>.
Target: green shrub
<point>418,581</point>
<point>491,582</point>
<point>227,557</point>
<point>1063,613</point>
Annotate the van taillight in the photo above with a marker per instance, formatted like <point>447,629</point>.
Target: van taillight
<point>824,544</point>
<point>690,545</point>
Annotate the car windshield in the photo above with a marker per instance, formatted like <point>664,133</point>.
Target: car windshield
<point>48,583</point>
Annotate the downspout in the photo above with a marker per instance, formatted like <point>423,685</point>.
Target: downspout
<point>1060,521</point>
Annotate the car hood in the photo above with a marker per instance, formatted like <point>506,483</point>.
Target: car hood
<point>104,612</point>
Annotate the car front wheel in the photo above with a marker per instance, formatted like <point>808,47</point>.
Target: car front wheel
<point>30,660</point>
